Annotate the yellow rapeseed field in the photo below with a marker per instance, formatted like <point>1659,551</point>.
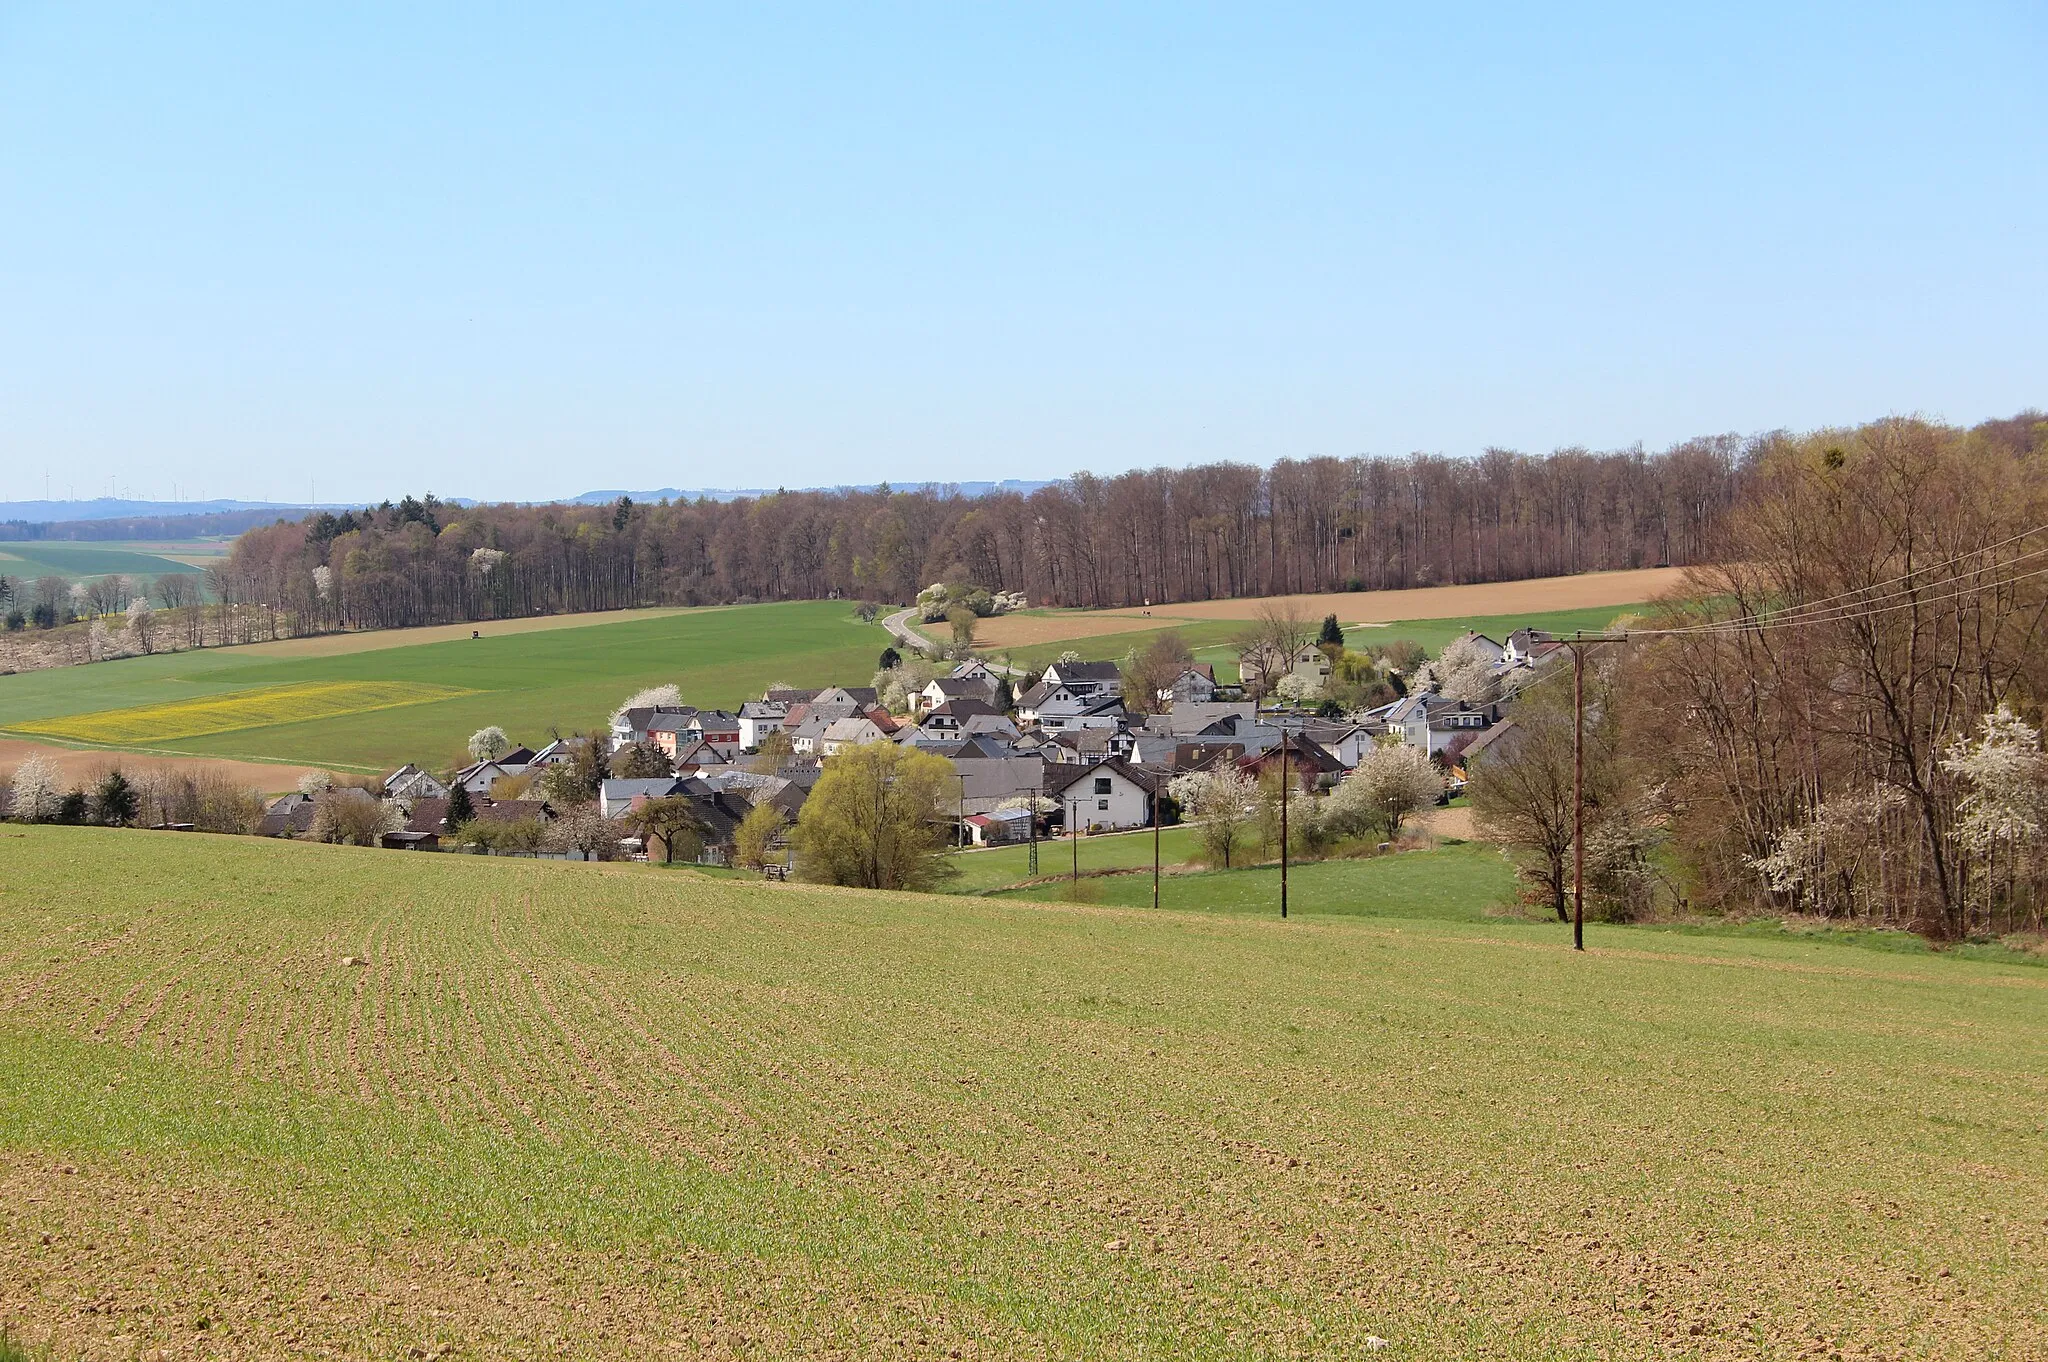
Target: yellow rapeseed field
<point>254,708</point>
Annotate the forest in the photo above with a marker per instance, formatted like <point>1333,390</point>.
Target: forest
<point>1157,535</point>
<point>1840,717</point>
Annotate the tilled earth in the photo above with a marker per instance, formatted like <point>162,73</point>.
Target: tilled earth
<point>267,1100</point>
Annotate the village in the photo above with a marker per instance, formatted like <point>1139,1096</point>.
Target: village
<point>1084,747</point>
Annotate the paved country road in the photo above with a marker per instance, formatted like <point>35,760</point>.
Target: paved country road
<point>900,631</point>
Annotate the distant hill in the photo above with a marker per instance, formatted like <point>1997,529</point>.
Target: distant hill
<point>966,489</point>
<point>104,518</point>
<point>117,508</point>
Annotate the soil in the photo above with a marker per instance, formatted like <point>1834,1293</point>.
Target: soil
<point>1352,608</point>
<point>80,765</point>
<point>331,645</point>
<point>1457,822</point>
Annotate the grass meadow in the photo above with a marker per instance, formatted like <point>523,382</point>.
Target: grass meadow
<point>1213,641</point>
<point>600,1111</point>
<point>528,682</point>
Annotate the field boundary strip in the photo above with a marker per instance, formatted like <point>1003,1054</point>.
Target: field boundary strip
<point>257,707</point>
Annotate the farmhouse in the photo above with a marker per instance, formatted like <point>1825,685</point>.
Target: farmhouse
<point>1104,797</point>
<point>410,782</point>
<point>1433,722</point>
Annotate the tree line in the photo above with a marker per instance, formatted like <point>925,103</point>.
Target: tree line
<point>1157,535</point>
<point>1840,717</point>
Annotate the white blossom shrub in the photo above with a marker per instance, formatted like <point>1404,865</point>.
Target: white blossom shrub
<point>1392,781</point>
<point>669,696</point>
<point>37,791</point>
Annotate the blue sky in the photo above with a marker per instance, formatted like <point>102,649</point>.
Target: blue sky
<point>521,252</point>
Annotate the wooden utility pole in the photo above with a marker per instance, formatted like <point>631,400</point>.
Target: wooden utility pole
<point>1283,822</point>
<point>1074,836</point>
<point>1155,848</point>
<point>1578,643</point>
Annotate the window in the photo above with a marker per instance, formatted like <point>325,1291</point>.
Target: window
<point>1102,805</point>
<point>1102,786</point>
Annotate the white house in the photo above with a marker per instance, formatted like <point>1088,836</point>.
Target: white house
<point>759,718</point>
<point>1347,742</point>
<point>479,779</point>
<point>849,732</point>
<point>614,797</point>
<point>944,689</point>
<point>410,782</point>
<point>1196,685</point>
<point>1432,722</point>
<point>1106,796</point>
<point>1480,643</point>
<point>1060,716</point>
<point>1085,678</point>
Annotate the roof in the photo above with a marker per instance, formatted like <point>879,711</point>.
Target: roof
<point>1087,671</point>
<point>431,815</point>
<point>853,726</point>
<point>1193,716</point>
<point>1303,753</point>
<point>618,790</point>
<point>789,695</point>
<point>1036,696</point>
<point>967,706</point>
<point>697,752</point>
<point>1061,778</point>
<point>763,709</point>
<point>1496,738</point>
<point>720,719</point>
<point>961,686</point>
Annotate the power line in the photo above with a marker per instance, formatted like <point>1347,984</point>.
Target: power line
<point>1827,606</point>
<point>1842,614</point>
<point>1932,567</point>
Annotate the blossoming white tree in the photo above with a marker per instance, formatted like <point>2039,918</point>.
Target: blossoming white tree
<point>488,744</point>
<point>669,695</point>
<point>37,791</point>
<point>1392,781</point>
<point>1220,801</point>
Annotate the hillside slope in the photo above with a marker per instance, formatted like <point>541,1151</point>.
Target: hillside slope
<point>607,1111</point>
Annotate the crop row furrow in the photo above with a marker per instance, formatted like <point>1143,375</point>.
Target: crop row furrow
<point>552,1034</point>
<point>359,1000</point>
<point>494,1034</point>
<point>45,982</point>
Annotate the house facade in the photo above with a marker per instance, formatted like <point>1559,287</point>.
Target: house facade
<point>1104,797</point>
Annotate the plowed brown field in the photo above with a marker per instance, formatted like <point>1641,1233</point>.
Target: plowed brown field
<point>269,1100</point>
<point>1535,596</point>
<point>79,766</point>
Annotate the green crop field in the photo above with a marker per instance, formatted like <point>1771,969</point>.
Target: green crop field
<point>278,1099</point>
<point>1213,640</point>
<point>54,558</point>
<point>1469,882</point>
<point>527,682</point>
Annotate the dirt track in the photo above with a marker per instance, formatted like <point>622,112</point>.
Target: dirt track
<point>1351,607</point>
<point>80,765</point>
<point>372,640</point>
